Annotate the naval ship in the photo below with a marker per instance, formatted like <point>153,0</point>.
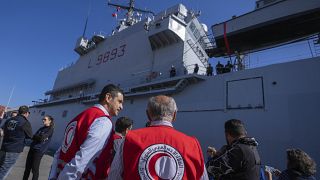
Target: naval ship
<point>278,103</point>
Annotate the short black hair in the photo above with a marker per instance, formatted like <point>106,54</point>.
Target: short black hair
<point>235,128</point>
<point>110,88</point>
<point>122,124</point>
<point>23,109</point>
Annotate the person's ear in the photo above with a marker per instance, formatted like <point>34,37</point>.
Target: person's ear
<point>108,98</point>
<point>174,117</point>
<point>148,115</point>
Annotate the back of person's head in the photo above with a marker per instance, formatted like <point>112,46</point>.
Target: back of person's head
<point>122,124</point>
<point>235,128</point>
<point>13,114</point>
<point>161,107</point>
<point>300,161</point>
<point>111,89</point>
<point>23,110</point>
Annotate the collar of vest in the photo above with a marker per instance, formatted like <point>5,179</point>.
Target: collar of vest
<point>161,123</point>
<point>102,109</point>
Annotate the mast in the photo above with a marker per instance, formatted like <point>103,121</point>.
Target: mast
<point>130,12</point>
<point>131,9</point>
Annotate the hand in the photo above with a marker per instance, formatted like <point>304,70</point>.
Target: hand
<point>277,172</point>
<point>1,132</point>
<point>268,174</point>
<point>269,171</point>
<point>211,151</point>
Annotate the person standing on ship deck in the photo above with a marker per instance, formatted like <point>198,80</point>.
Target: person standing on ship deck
<point>86,135</point>
<point>209,70</point>
<point>196,69</point>
<point>173,71</point>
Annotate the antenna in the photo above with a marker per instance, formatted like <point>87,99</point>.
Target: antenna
<point>131,9</point>
<point>5,109</point>
<point>89,11</point>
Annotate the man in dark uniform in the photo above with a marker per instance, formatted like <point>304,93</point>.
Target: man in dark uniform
<point>2,121</point>
<point>16,130</point>
<point>209,70</point>
<point>239,159</point>
<point>219,68</point>
<point>228,67</point>
<point>173,71</point>
<point>196,69</point>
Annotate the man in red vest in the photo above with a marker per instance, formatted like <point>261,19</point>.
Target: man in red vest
<point>86,135</point>
<point>159,151</point>
<point>122,127</point>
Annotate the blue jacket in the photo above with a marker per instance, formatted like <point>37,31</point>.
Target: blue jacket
<point>16,130</point>
<point>41,139</point>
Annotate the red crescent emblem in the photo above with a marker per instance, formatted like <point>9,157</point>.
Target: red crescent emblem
<point>67,135</point>
<point>152,163</point>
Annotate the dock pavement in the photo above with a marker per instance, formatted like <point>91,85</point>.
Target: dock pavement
<point>18,169</point>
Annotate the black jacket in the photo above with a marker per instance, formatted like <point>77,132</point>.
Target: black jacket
<point>238,161</point>
<point>16,130</point>
<point>41,139</point>
<point>290,174</point>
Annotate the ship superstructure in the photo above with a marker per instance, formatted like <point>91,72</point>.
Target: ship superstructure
<point>276,102</point>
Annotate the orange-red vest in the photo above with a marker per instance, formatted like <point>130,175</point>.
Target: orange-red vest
<point>145,149</point>
<point>103,163</point>
<point>76,133</point>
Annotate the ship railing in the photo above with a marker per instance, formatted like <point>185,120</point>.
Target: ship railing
<point>202,69</point>
<point>143,77</point>
<point>148,76</point>
<point>165,85</point>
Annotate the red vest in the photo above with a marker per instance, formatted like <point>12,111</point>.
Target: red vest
<point>76,133</point>
<point>149,151</point>
<point>103,163</point>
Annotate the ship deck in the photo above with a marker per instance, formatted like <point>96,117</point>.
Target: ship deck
<point>18,169</point>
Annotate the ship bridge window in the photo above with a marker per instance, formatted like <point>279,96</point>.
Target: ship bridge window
<point>196,34</point>
<point>192,26</point>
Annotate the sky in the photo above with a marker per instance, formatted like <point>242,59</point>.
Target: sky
<point>38,37</point>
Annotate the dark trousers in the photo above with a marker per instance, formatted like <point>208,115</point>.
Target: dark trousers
<point>7,160</point>
<point>32,163</point>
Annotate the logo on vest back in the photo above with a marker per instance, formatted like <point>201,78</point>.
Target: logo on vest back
<point>68,136</point>
<point>161,161</point>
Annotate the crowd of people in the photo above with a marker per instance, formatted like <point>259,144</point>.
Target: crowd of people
<point>239,159</point>
<point>93,148</point>
<point>15,131</point>
<point>220,69</point>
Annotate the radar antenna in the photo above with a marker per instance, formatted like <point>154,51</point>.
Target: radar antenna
<point>131,9</point>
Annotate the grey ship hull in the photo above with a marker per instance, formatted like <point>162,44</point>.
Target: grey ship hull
<point>278,103</point>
